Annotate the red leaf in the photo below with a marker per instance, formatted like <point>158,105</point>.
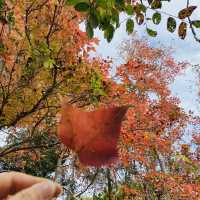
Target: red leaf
<point>93,135</point>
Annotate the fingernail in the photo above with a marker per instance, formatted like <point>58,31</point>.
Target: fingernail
<point>46,189</point>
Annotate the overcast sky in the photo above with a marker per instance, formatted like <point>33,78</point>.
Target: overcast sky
<point>184,87</point>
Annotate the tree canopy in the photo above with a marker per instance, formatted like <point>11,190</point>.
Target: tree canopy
<point>105,15</point>
<point>45,61</point>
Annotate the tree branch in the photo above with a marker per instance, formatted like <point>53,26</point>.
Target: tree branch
<point>16,149</point>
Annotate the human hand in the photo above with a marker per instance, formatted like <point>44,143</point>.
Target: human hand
<point>18,186</point>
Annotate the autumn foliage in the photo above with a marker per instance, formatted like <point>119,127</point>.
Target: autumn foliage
<point>45,58</point>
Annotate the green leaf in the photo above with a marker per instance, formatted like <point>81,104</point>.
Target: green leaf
<point>109,32</point>
<point>102,12</point>
<point>74,2</point>
<point>156,4</point>
<point>89,30</point>
<point>110,4</point>
<point>151,32</point>
<point>1,4</point>
<point>156,18</point>
<point>101,3</point>
<point>120,2</point>
<point>115,17</point>
<point>129,26</point>
<point>11,19</point>
<point>94,19</point>
<point>142,8</point>
<point>82,7</point>
<point>44,49</point>
<point>171,24</point>
<point>129,9</point>
<point>49,63</point>
<point>196,23</point>
<point>105,22</point>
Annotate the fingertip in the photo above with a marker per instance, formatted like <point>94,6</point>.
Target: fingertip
<point>50,189</point>
<point>40,191</point>
<point>58,189</point>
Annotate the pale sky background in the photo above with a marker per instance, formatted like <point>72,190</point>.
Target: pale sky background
<point>185,50</point>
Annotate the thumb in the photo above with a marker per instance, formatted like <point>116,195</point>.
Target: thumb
<point>42,191</point>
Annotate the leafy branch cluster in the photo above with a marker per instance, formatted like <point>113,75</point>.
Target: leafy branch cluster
<point>105,15</point>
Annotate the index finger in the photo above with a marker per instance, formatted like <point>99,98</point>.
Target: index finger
<point>12,182</point>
